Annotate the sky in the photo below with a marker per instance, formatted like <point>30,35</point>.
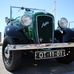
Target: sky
<point>64,8</point>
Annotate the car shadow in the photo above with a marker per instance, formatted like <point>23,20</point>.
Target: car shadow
<point>51,66</point>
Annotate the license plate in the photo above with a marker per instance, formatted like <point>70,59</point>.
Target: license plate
<point>49,54</point>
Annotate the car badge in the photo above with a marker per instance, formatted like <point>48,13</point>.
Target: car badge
<point>44,24</point>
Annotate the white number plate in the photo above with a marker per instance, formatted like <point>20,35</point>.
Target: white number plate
<point>49,54</point>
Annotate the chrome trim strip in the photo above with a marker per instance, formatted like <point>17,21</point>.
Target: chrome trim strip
<point>39,46</point>
<point>37,28</point>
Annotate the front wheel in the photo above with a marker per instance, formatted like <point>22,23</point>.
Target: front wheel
<point>69,56</point>
<point>11,59</point>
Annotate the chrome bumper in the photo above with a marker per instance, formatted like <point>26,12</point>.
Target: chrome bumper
<point>39,46</point>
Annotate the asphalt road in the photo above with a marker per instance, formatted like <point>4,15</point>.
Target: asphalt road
<point>30,66</point>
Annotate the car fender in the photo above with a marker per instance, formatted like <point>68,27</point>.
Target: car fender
<point>13,32</point>
<point>64,35</point>
<point>68,34</point>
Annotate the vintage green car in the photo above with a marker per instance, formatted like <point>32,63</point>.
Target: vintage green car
<point>34,33</point>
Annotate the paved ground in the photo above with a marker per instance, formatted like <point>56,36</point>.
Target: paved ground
<point>30,66</point>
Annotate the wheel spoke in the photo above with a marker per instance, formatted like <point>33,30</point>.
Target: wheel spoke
<point>7,62</point>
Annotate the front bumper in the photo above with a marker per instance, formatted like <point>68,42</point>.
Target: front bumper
<point>38,46</point>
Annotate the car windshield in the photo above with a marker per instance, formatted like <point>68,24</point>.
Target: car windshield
<point>16,13</point>
<point>19,11</point>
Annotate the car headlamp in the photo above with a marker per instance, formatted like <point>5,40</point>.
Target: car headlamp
<point>63,23</point>
<point>26,20</point>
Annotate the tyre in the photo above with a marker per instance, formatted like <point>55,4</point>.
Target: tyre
<point>69,56</point>
<point>11,59</point>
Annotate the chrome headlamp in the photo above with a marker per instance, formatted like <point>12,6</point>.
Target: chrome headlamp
<point>63,23</point>
<point>26,20</point>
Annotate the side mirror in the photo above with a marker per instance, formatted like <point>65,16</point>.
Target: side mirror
<point>7,20</point>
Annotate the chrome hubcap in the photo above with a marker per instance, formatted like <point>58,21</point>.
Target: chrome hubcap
<point>7,53</point>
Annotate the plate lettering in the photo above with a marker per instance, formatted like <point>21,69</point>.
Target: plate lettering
<point>49,54</point>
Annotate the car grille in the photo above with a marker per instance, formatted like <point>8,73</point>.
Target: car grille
<point>44,28</point>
